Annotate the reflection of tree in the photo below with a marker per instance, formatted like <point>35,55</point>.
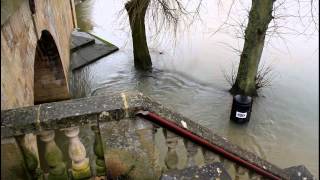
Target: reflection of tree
<point>83,11</point>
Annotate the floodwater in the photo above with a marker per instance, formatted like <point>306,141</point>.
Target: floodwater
<point>188,77</point>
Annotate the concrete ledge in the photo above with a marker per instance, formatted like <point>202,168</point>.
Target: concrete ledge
<point>210,171</point>
<point>110,108</point>
<point>87,48</point>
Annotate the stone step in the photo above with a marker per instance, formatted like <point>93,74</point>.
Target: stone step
<point>79,40</point>
<point>90,54</point>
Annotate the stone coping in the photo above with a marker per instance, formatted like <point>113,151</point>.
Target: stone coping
<point>95,109</point>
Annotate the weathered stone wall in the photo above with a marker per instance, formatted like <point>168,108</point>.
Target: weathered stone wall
<point>18,43</point>
<point>19,36</point>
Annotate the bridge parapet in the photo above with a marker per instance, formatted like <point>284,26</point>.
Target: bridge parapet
<point>21,32</point>
<point>131,146</point>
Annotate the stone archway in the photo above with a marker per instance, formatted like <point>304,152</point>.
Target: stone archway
<point>50,82</point>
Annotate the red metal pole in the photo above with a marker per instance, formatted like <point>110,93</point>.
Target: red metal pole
<point>189,135</point>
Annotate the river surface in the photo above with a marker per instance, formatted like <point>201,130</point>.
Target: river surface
<point>188,77</point>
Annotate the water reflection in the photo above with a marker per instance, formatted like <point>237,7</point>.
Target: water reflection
<point>83,12</point>
<point>188,78</point>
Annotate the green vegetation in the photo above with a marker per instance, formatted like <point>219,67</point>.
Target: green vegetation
<point>101,39</point>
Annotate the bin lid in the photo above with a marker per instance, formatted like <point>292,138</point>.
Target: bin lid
<point>241,99</point>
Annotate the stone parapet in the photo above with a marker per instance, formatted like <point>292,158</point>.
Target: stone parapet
<point>118,111</point>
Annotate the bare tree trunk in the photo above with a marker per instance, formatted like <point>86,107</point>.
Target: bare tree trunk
<point>137,10</point>
<point>259,18</point>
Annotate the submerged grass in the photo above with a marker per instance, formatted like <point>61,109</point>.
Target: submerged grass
<point>264,77</point>
<point>101,39</point>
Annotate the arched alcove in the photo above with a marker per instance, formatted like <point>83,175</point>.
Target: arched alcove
<point>49,79</point>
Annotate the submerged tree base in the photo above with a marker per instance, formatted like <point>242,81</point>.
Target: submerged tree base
<point>137,10</point>
<point>237,90</point>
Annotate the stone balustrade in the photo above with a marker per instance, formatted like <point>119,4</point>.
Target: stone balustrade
<point>124,145</point>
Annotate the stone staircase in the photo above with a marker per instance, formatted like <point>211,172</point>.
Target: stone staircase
<point>87,48</point>
<point>103,137</point>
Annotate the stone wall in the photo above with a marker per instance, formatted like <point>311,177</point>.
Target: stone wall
<point>133,146</point>
<point>19,36</point>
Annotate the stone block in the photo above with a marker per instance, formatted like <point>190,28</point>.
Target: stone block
<point>129,149</point>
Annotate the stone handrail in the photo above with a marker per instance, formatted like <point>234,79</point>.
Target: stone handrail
<point>98,110</point>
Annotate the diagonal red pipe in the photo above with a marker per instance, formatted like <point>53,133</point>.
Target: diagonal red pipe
<point>189,135</point>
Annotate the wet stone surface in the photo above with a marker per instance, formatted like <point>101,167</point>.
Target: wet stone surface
<point>78,42</point>
<point>90,54</point>
<point>106,110</point>
<point>19,121</point>
<point>299,173</point>
<point>207,172</point>
<point>87,49</point>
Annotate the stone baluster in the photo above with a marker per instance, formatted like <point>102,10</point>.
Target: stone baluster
<point>191,152</point>
<point>28,144</point>
<point>241,173</point>
<point>171,159</point>
<point>230,167</point>
<point>209,156</point>
<point>254,176</point>
<point>53,157</point>
<point>221,159</point>
<point>98,150</point>
<point>77,153</point>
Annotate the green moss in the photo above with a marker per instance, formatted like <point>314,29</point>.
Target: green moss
<point>54,157</point>
<point>82,174</point>
<point>101,39</point>
<point>61,174</point>
<point>100,167</point>
<point>98,149</point>
<point>100,162</point>
<point>30,159</point>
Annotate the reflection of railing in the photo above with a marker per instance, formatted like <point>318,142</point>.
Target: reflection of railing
<point>125,145</point>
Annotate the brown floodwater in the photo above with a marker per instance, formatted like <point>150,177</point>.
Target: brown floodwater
<point>188,76</point>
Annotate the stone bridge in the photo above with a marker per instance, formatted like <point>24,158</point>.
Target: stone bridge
<point>35,51</point>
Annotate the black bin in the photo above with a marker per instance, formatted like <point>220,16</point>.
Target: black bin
<point>241,109</point>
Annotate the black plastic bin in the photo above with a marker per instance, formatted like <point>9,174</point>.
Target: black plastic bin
<point>241,109</point>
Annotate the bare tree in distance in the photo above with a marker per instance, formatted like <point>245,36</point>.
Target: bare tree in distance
<point>267,20</point>
<point>165,14</point>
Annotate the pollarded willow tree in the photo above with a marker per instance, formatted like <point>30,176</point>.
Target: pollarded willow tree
<point>262,21</point>
<point>259,18</point>
<point>166,14</point>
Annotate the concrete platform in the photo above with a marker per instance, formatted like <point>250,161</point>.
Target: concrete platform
<point>78,42</point>
<point>86,49</point>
